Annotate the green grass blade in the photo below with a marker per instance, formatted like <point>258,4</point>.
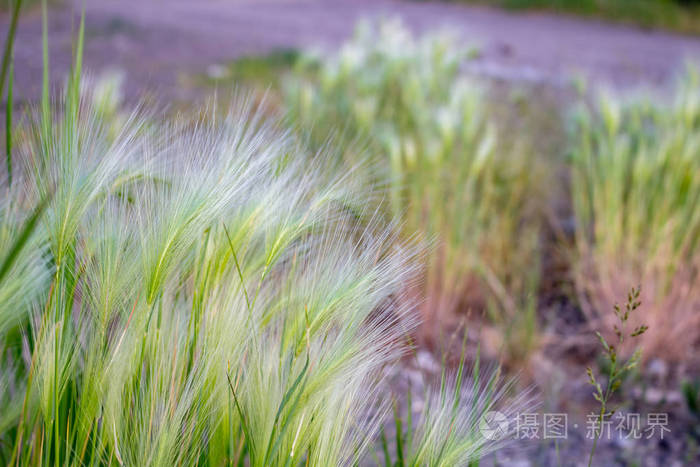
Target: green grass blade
<point>9,43</point>
<point>399,436</point>
<point>385,448</point>
<point>292,389</point>
<point>45,89</point>
<point>409,421</point>
<point>238,269</point>
<point>8,126</point>
<point>460,374</point>
<point>272,449</point>
<point>26,232</point>
<point>244,423</point>
<point>76,72</point>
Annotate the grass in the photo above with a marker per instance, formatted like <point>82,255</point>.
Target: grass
<point>676,15</point>
<point>197,303</point>
<point>260,76</point>
<point>202,294</point>
<point>448,177</point>
<point>635,191</point>
<point>259,70</point>
<point>8,5</point>
<point>228,291</point>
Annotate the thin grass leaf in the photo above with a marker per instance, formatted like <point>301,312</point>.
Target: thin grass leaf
<point>244,423</point>
<point>25,233</point>
<point>8,126</point>
<point>409,420</point>
<point>399,437</point>
<point>238,268</point>
<point>9,43</point>
<point>385,447</point>
<point>460,370</point>
<point>45,120</point>
<point>272,449</point>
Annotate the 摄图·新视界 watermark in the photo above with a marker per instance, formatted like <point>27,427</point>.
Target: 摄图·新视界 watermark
<point>535,425</point>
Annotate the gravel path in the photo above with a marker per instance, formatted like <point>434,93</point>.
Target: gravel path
<point>159,41</point>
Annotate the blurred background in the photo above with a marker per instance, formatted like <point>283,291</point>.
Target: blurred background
<point>548,150</point>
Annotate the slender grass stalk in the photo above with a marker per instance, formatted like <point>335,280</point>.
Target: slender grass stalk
<point>8,128</point>
<point>9,43</point>
<point>7,65</point>
<point>45,120</point>
<point>22,238</point>
<point>618,369</point>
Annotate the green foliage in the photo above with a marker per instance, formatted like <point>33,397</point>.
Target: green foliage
<point>6,74</point>
<point>264,70</point>
<point>680,15</point>
<point>691,395</point>
<point>404,100</point>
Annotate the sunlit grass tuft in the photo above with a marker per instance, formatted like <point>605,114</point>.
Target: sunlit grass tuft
<point>636,191</point>
<point>195,294</point>
<point>448,176</point>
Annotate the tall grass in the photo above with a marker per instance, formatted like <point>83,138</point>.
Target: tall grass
<point>200,294</point>
<point>636,192</point>
<point>450,179</point>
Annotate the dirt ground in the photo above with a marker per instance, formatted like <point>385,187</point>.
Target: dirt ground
<point>160,43</point>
